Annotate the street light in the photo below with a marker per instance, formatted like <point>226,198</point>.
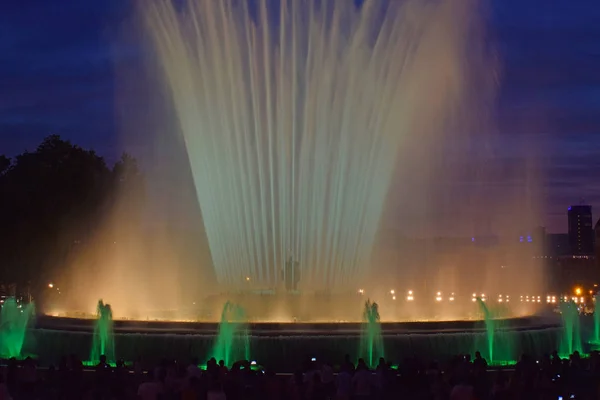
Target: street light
<point>51,285</point>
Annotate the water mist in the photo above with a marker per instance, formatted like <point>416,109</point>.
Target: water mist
<point>292,114</point>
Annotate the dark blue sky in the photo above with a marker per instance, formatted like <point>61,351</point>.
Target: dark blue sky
<point>57,75</point>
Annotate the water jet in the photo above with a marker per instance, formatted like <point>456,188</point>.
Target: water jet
<point>14,320</point>
<point>103,342</point>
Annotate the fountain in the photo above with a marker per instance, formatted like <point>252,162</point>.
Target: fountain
<point>596,338</point>
<point>104,341</point>
<point>233,341</point>
<point>571,340</point>
<point>499,348</point>
<point>292,114</point>
<point>14,319</point>
<point>371,339</point>
<point>490,328</point>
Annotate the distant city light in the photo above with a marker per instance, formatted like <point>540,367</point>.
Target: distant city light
<point>578,291</point>
<point>361,291</point>
<point>393,297</point>
<point>50,285</point>
<point>392,291</point>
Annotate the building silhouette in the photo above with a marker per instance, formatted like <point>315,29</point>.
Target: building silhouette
<point>581,231</point>
<point>597,244</point>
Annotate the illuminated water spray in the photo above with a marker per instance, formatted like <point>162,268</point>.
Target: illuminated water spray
<point>371,340</point>
<point>293,113</point>
<point>14,321</point>
<point>103,343</point>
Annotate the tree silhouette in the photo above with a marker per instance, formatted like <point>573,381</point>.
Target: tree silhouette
<point>53,198</point>
<point>4,164</point>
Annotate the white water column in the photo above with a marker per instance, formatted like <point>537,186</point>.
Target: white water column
<point>293,112</point>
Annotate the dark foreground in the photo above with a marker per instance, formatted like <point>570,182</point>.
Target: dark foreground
<point>459,378</point>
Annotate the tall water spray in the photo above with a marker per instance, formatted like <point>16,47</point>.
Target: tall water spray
<point>103,343</point>
<point>490,328</point>
<point>233,340</point>
<point>371,340</point>
<point>499,347</point>
<point>571,340</point>
<point>596,338</point>
<point>292,113</point>
<point>14,319</point>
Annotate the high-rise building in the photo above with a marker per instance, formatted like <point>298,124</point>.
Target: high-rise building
<point>581,231</point>
<point>597,237</point>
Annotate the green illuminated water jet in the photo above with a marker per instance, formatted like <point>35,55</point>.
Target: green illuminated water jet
<point>499,349</point>
<point>571,340</point>
<point>490,328</point>
<point>104,338</point>
<point>371,339</point>
<point>14,319</point>
<point>596,339</point>
<point>292,114</point>
<point>233,340</point>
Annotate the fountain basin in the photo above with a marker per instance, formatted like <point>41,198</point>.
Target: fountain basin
<point>284,346</point>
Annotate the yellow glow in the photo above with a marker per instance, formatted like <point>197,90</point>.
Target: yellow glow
<point>392,291</point>
<point>394,298</point>
<point>247,278</point>
<point>50,285</point>
<point>578,291</point>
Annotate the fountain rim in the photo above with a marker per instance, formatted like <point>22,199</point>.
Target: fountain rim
<point>45,322</point>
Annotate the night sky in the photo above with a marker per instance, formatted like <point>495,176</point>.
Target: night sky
<point>57,75</point>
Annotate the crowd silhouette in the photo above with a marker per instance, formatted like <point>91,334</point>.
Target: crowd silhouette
<point>461,378</point>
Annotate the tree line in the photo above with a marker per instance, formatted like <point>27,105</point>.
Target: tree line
<point>54,199</point>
